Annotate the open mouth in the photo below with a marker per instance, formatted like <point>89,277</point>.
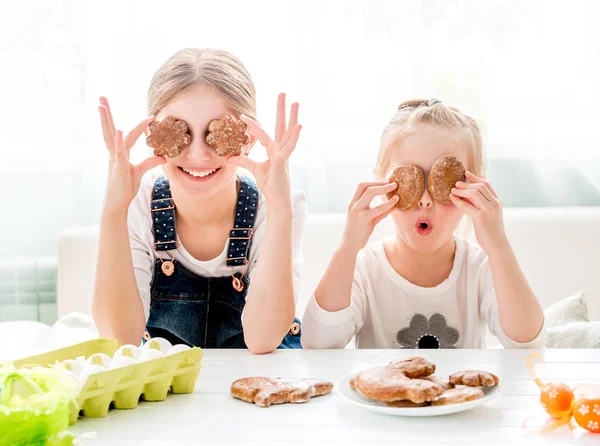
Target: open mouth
<point>424,227</point>
<point>199,174</point>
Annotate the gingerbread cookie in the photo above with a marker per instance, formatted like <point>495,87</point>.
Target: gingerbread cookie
<point>399,380</point>
<point>411,185</point>
<point>445,383</point>
<point>168,137</point>
<point>444,174</point>
<point>267,391</point>
<point>458,395</point>
<point>404,403</point>
<point>227,136</point>
<point>474,378</point>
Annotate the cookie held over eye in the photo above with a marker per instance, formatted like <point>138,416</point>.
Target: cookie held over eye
<point>411,185</point>
<point>168,137</point>
<point>444,174</point>
<point>264,391</point>
<point>227,136</point>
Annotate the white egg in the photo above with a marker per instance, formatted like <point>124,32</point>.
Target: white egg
<point>122,361</point>
<point>72,365</point>
<point>73,376</point>
<point>158,344</point>
<point>127,350</point>
<point>150,354</point>
<point>100,359</point>
<point>178,348</point>
<point>88,370</point>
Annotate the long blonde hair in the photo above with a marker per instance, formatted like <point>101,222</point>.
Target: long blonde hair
<point>216,69</point>
<point>434,112</point>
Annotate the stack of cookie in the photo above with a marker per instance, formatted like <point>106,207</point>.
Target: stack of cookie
<point>412,383</point>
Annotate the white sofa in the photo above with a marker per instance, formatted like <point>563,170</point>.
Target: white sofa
<point>557,247</point>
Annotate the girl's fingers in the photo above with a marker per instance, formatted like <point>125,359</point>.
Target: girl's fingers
<point>362,187</point>
<point>481,187</point>
<point>474,195</point>
<point>120,154</point>
<point>257,131</point>
<point>376,220</point>
<point>462,204</point>
<point>293,122</point>
<point>137,131</point>
<point>383,208</point>
<point>290,146</point>
<point>475,179</point>
<point>243,162</point>
<point>107,133</point>
<point>374,191</point>
<point>151,163</point>
<point>111,121</point>
<point>280,122</point>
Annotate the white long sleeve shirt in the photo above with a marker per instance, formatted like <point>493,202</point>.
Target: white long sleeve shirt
<point>387,311</point>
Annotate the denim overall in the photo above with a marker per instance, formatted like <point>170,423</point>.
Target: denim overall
<point>203,311</point>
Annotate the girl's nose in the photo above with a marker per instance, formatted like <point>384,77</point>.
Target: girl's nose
<point>426,201</point>
<point>198,150</point>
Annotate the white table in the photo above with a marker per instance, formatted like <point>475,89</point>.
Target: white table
<point>211,416</point>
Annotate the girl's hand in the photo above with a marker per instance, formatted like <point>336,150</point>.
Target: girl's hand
<point>362,218</point>
<point>124,178</point>
<point>480,201</point>
<point>272,176</point>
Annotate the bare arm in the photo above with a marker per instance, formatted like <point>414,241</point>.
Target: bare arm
<point>270,305</point>
<point>117,306</point>
<point>335,288</point>
<point>520,314</point>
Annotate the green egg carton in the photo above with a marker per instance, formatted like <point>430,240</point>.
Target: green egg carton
<point>123,387</point>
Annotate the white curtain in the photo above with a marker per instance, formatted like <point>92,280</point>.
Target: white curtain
<point>528,70</point>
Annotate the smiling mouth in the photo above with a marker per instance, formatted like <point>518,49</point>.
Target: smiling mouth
<point>198,173</point>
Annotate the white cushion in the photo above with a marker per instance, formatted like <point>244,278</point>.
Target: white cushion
<point>570,309</point>
<point>574,335</point>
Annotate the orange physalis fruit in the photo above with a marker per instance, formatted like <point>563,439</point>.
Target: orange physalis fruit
<point>587,413</point>
<point>556,399</point>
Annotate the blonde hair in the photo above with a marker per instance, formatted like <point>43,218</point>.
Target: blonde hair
<point>433,112</point>
<point>216,69</point>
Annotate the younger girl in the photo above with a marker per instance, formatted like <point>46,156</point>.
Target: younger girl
<point>233,272</point>
<point>424,287</point>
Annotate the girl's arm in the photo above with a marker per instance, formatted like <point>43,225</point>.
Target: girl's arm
<point>270,307</point>
<point>117,307</point>
<point>334,290</point>
<point>335,312</point>
<point>519,312</point>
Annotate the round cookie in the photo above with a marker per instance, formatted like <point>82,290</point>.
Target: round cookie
<point>411,185</point>
<point>168,137</point>
<point>458,395</point>
<point>445,172</point>
<point>474,378</point>
<point>227,136</point>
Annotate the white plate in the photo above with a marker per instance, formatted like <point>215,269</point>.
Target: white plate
<point>358,400</point>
